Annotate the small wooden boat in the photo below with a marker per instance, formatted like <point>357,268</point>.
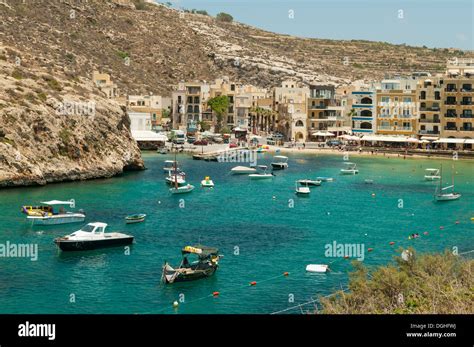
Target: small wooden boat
<point>135,218</point>
<point>205,265</point>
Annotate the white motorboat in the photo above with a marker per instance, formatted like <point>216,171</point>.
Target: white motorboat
<point>188,188</point>
<point>170,165</point>
<point>432,174</point>
<point>241,170</point>
<point>92,236</point>
<point>310,182</point>
<point>280,162</point>
<point>46,214</point>
<point>325,179</point>
<point>207,182</point>
<point>443,194</point>
<point>350,169</point>
<point>302,190</point>
<point>262,173</point>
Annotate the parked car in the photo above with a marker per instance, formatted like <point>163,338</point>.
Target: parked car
<point>191,139</point>
<point>233,145</point>
<point>334,143</point>
<point>200,143</point>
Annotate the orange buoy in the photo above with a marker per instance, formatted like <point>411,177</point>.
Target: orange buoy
<point>286,273</point>
<point>370,249</point>
<point>346,257</point>
<point>215,294</point>
<point>253,283</point>
<point>391,243</point>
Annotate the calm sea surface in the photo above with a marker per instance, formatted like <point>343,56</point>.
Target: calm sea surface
<point>261,227</point>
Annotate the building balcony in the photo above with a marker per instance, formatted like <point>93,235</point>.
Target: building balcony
<point>451,128</point>
<point>428,132</point>
<point>435,121</point>
<point>466,129</point>
<point>384,127</point>
<point>450,90</point>
<point>467,115</point>
<point>430,109</point>
<point>450,115</point>
<point>362,105</point>
<point>450,103</point>
<point>318,107</point>
<point>466,103</point>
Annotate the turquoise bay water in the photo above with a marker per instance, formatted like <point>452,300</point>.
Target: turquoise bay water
<point>253,217</point>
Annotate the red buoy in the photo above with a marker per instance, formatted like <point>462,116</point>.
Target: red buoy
<point>346,257</point>
<point>391,243</point>
<point>370,249</point>
<point>253,283</point>
<point>286,273</point>
<point>215,294</point>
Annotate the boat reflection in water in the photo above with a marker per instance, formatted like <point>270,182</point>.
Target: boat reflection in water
<point>205,265</point>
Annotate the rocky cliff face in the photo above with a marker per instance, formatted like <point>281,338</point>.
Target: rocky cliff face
<point>58,128</point>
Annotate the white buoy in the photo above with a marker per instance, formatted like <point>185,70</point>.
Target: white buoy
<point>316,268</point>
<point>175,304</point>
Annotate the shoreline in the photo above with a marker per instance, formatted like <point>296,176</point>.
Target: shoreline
<point>329,151</point>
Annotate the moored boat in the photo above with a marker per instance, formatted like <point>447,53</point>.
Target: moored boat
<point>441,194</point>
<point>325,179</point>
<point>207,182</point>
<point>302,189</point>
<point>135,218</point>
<point>92,236</point>
<point>188,188</point>
<point>205,265</point>
<point>170,165</point>
<point>262,174</point>
<point>350,169</point>
<point>432,175</point>
<point>47,215</point>
<point>280,162</point>
<point>241,170</point>
<point>309,182</point>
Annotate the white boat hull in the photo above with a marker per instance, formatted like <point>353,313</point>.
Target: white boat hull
<point>182,190</point>
<point>316,268</point>
<point>432,178</point>
<point>260,176</point>
<point>447,197</point>
<point>303,191</point>
<point>207,184</point>
<point>349,172</point>
<point>242,170</point>
<point>57,219</point>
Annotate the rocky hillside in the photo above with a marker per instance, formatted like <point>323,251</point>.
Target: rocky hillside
<point>148,47</point>
<point>55,127</point>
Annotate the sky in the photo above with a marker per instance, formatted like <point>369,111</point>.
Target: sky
<point>431,23</point>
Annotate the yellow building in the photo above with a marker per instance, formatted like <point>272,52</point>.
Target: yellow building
<point>457,105</point>
<point>396,107</point>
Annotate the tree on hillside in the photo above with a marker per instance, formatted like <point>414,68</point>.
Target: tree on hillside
<point>224,17</point>
<point>430,283</point>
<point>219,105</point>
